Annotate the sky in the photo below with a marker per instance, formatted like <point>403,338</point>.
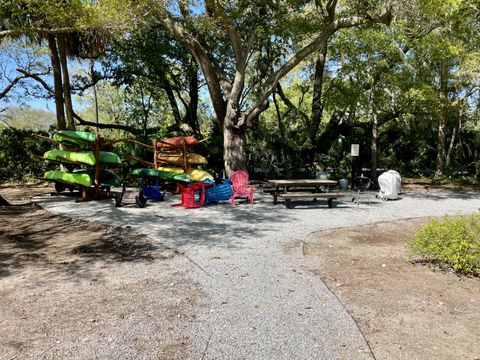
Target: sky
<point>34,59</point>
<point>10,59</point>
<point>9,62</point>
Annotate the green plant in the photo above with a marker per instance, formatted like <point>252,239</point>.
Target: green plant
<point>451,243</point>
<point>17,155</point>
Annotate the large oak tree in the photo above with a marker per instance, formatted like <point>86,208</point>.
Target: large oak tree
<point>227,39</point>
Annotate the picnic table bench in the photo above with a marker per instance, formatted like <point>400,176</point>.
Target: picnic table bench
<point>320,189</point>
<point>302,195</point>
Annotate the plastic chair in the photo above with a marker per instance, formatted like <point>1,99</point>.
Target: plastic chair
<point>193,195</point>
<point>240,187</point>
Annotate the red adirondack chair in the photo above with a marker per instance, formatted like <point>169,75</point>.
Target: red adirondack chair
<point>193,195</point>
<point>240,186</point>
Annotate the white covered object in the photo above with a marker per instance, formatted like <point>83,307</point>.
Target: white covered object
<point>390,184</point>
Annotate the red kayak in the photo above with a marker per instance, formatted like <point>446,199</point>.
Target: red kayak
<point>177,141</point>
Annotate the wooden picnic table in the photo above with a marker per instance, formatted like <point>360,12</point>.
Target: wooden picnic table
<point>313,186</point>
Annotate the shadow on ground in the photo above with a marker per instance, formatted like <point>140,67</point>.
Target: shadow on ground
<point>31,237</point>
<point>210,226</point>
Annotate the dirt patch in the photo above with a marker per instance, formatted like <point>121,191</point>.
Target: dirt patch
<point>405,311</point>
<point>17,194</point>
<point>74,289</point>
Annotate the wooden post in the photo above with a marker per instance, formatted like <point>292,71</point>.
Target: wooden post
<point>155,164</point>
<point>97,138</point>
<point>97,167</point>
<point>185,158</point>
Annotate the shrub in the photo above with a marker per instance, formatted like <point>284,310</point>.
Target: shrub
<point>17,150</point>
<point>451,243</point>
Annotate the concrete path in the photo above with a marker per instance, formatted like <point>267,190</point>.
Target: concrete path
<point>263,301</point>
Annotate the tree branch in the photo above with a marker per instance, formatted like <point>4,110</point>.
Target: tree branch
<point>401,52</point>
<point>232,32</point>
<point>316,45</point>
<point>88,85</point>
<point>56,31</point>
<point>129,129</point>
<point>389,116</point>
<point>240,58</point>
<point>25,75</point>
<point>331,7</point>
<point>10,85</point>
<point>37,77</point>
<point>215,80</point>
<point>289,104</point>
<point>250,118</point>
<point>299,56</point>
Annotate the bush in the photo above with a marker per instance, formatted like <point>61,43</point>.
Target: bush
<point>17,150</point>
<point>452,243</point>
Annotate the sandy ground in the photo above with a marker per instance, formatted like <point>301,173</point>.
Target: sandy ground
<point>75,289</point>
<point>114,293</point>
<point>405,311</point>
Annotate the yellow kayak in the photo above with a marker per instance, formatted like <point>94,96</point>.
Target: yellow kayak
<point>192,158</point>
<point>171,169</point>
<point>199,175</point>
<point>195,174</point>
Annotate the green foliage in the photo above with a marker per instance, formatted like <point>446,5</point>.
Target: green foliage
<point>26,118</point>
<point>452,243</point>
<point>17,150</point>
<point>364,75</point>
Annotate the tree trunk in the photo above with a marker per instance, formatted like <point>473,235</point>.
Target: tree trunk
<point>335,127</point>
<point>281,127</point>
<point>192,110</point>
<point>374,121</point>
<point>451,147</point>
<point>441,147</point>
<point>145,110</point>
<point>442,124</point>
<point>67,92</point>
<point>172,101</point>
<point>57,81</point>
<point>317,105</point>
<point>234,157</point>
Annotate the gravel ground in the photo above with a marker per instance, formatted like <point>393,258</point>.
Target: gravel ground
<point>262,303</point>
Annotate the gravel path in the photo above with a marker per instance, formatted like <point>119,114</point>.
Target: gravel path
<point>263,303</point>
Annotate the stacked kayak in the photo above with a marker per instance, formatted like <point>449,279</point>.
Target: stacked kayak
<point>68,178</point>
<point>177,142</point>
<point>195,174</point>
<point>83,177</point>
<point>177,170</point>
<point>75,137</point>
<point>178,159</point>
<point>199,175</point>
<point>85,158</point>
<point>175,157</point>
<point>168,175</point>
<point>177,151</point>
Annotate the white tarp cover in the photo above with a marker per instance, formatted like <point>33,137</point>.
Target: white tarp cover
<point>390,184</point>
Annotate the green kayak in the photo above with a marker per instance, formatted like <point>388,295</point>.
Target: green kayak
<point>88,158</point>
<point>169,175</point>
<point>83,177</point>
<point>75,137</point>
<point>107,178</point>
<point>68,178</point>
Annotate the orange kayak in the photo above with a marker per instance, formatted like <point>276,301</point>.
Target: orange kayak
<point>177,141</point>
